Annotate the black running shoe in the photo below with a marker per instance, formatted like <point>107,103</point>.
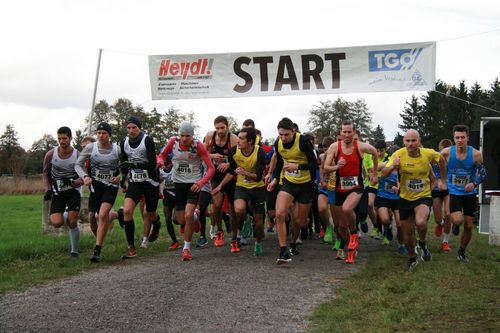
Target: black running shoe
<point>95,258</point>
<point>411,265</point>
<point>155,232</point>
<point>462,257</point>
<point>293,250</point>
<point>283,258</point>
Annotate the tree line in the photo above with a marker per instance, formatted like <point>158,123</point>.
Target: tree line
<point>432,114</point>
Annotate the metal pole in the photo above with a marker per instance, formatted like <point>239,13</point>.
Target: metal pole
<point>95,92</point>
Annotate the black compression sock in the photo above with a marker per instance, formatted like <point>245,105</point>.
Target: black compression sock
<point>129,232</point>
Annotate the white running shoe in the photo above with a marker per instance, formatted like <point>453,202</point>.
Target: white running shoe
<point>212,232</point>
<point>144,244</point>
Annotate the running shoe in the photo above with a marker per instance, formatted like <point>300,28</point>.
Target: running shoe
<point>455,229</point>
<point>202,241</point>
<point>402,250</point>
<point>283,258</point>
<point>120,217</point>
<point>234,246</point>
<point>351,256</point>
<point>131,253</point>
<point>219,239</point>
<point>186,255</point>
<point>174,246</point>
<point>379,235</point>
<point>242,241</point>
<point>74,255</point>
<point>462,257</point>
<point>438,230</point>
<point>353,242</point>
<point>155,232</point>
<point>340,254</point>
<point>144,244</point>
<point>445,247</point>
<point>364,226</point>
<point>336,246</point>
<point>328,238</point>
<point>374,233</point>
<point>95,257</point>
<point>212,232</point>
<point>293,250</point>
<point>386,241</point>
<point>321,233</point>
<point>426,254</point>
<point>257,250</point>
<point>412,264</point>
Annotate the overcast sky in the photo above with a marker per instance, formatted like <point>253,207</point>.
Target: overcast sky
<point>50,48</point>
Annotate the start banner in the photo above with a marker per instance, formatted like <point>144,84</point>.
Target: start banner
<point>397,67</point>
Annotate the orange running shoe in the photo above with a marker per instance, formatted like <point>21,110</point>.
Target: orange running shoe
<point>219,239</point>
<point>131,253</point>
<point>234,246</point>
<point>445,247</point>
<point>353,241</point>
<point>351,256</point>
<point>186,255</point>
<point>174,246</point>
<point>438,230</point>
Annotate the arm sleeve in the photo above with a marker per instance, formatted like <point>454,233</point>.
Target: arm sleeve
<point>80,168</point>
<point>151,154</point>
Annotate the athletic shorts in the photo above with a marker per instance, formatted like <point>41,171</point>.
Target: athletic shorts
<point>150,192</point>
<point>439,194</point>
<point>168,198</point>
<point>391,204</point>
<point>340,197</point>
<point>330,194</point>
<point>184,195</point>
<point>302,193</point>
<point>465,203</point>
<point>227,189</point>
<point>271,198</point>
<point>407,208</point>
<point>255,197</point>
<point>70,199</point>
<point>102,193</point>
<point>370,189</point>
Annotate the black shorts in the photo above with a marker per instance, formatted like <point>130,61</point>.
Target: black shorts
<point>407,208</point>
<point>439,194</point>
<point>465,203</point>
<point>302,193</point>
<point>386,203</point>
<point>370,189</point>
<point>340,197</point>
<point>227,189</point>
<point>184,195</point>
<point>255,197</point>
<point>150,192</point>
<point>70,199</point>
<point>168,198</point>
<point>102,193</point>
<point>271,198</point>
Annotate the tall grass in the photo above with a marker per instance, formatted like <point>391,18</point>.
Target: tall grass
<point>21,184</point>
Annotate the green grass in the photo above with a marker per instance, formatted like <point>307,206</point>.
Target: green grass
<point>28,257</point>
<point>443,295</point>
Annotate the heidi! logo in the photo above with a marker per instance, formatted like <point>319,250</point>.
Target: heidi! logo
<point>186,69</point>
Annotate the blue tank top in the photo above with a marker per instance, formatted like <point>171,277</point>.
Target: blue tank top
<point>460,172</point>
<point>437,173</point>
<point>385,185</point>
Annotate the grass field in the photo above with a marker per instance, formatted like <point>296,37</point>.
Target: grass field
<point>440,296</point>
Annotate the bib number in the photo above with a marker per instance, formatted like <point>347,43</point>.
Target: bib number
<point>388,186</point>
<point>184,169</point>
<point>348,183</point>
<point>415,185</point>
<point>295,173</point>
<point>63,185</point>
<point>103,175</point>
<point>459,180</point>
<point>139,175</point>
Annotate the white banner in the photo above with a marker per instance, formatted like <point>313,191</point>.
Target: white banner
<point>398,67</point>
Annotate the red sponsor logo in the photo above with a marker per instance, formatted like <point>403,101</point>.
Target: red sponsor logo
<point>202,66</point>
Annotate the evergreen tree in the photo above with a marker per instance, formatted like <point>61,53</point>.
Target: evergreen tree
<point>377,134</point>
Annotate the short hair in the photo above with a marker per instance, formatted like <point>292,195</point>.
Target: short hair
<point>445,143</point>
<point>65,130</point>
<point>349,122</point>
<point>286,123</point>
<point>309,136</point>
<point>258,132</point>
<point>221,119</point>
<point>380,144</point>
<point>327,141</point>
<point>88,138</point>
<point>461,128</point>
<point>296,127</point>
<point>251,134</point>
<point>249,123</point>
<point>392,149</point>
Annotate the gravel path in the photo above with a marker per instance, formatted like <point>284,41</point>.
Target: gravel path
<point>216,292</point>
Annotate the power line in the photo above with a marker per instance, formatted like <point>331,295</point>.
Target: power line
<point>467,36</point>
<point>468,102</point>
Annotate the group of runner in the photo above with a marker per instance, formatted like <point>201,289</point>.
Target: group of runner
<point>298,185</point>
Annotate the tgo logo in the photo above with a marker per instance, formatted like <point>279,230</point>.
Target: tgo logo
<point>392,60</point>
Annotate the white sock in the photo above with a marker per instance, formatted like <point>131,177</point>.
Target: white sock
<point>442,222</point>
<point>187,245</point>
<point>445,237</point>
<point>144,239</point>
<point>74,239</point>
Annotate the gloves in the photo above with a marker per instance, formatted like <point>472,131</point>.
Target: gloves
<point>47,195</point>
